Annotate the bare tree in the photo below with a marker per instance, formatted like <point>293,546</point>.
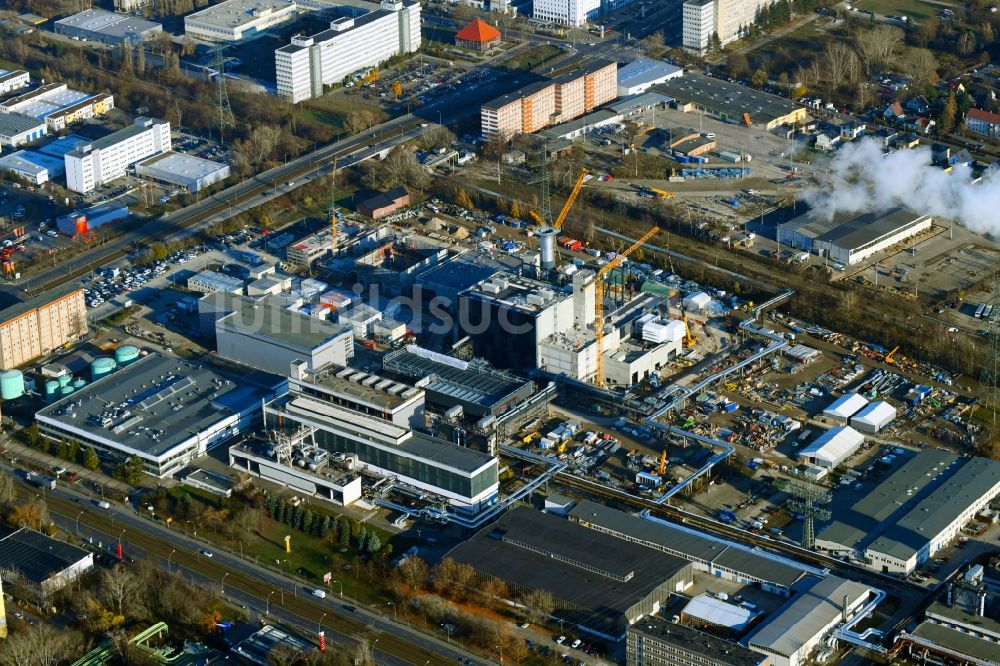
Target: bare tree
<point>921,65</point>
<point>39,645</point>
<point>8,491</point>
<point>261,142</point>
<point>836,58</point>
<point>119,590</point>
<point>876,47</point>
<point>539,604</point>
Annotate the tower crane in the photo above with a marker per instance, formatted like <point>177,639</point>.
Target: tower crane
<point>570,200</point>
<point>599,298</point>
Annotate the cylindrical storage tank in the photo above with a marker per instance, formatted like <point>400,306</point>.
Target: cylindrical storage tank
<point>78,384</point>
<point>51,388</point>
<point>65,390</point>
<point>126,354</point>
<point>101,366</point>
<point>11,384</point>
<point>64,380</point>
<point>547,246</point>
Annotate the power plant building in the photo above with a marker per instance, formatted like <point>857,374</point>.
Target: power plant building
<point>106,159</point>
<point>849,238</point>
<point>262,334</point>
<point>372,418</point>
<point>163,410</point>
<point>41,325</point>
<point>306,66</point>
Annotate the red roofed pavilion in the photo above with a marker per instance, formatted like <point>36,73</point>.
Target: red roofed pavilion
<point>478,36</point>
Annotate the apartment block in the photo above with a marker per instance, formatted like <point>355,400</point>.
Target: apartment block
<point>729,19</point>
<point>351,44</point>
<point>545,103</point>
<point>40,325</point>
<point>106,159</point>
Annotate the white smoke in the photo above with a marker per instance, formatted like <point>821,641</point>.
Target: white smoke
<point>863,179</point>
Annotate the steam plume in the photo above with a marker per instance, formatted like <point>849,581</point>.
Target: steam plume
<point>862,179</point>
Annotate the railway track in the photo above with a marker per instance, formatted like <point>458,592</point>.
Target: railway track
<point>720,530</point>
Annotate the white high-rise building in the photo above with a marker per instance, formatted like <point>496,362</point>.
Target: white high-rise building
<point>308,64</point>
<point>106,159</point>
<point>574,13</point>
<point>729,19</point>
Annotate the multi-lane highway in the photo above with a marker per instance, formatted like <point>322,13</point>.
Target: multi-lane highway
<point>244,583</point>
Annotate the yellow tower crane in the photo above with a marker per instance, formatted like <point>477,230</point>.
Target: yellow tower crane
<point>599,299</point>
<point>570,200</point>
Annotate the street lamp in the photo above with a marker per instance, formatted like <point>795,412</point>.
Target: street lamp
<point>120,537</point>
<point>222,583</point>
<point>341,585</point>
<point>319,625</point>
<point>394,616</point>
<point>267,602</point>
<point>168,558</point>
<point>447,628</point>
<point>78,522</point>
<point>500,647</point>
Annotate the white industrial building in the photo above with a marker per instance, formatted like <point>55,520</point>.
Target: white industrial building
<point>17,129</point>
<point>642,74</point>
<point>799,627</point>
<point>874,417</point>
<point>186,171</point>
<point>163,410</point>
<point>98,25</point>
<point>833,447</point>
<point>34,167</point>
<point>697,301</point>
<point>936,520</point>
<point>235,20</point>
<point>843,408</point>
<point>58,105</point>
<point>361,318</point>
<point>711,610</point>
<point>850,238</point>
<point>106,159</point>
<point>262,334</point>
<point>210,282</point>
<point>13,80</point>
<point>351,44</point>
<point>573,13</point>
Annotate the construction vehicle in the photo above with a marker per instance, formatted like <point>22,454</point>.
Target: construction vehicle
<point>661,469</point>
<point>890,357</point>
<point>662,194</point>
<point>689,339</point>
<point>746,120</point>
<point>599,299</point>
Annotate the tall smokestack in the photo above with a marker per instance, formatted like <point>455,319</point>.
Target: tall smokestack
<point>547,247</point>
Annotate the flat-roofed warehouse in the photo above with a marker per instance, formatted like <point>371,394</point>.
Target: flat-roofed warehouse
<point>713,556</point>
<point>888,501</point>
<point>98,25</point>
<point>730,101</point>
<point>187,171</point>
<point>850,238</point>
<point>161,409</point>
<point>793,631</point>
<point>600,583</point>
<point>930,525</point>
<point>45,563</point>
<point>235,20</point>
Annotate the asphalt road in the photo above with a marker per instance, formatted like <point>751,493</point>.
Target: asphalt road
<point>247,584</point>
<point>262,187</point>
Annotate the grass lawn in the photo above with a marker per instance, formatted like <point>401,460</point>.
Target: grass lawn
<point>334,108</point>
<point>534,56</point>
<point>914,9</point>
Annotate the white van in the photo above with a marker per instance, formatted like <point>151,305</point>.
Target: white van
<point>319,593</point>
<point>103,505</point>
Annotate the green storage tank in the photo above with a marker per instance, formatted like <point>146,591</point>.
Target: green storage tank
<point>51,389</point>
<point>64,380</point>
<point>11,384</point>
<point>103,365</point>
<point>126,354</point>
<point>65,390</point>
<point>78,384</point>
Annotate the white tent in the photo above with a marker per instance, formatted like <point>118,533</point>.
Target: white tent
<point>833,447</point>
<point>844,407</point>
<point>697,301</point>
<point>874,417</point>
